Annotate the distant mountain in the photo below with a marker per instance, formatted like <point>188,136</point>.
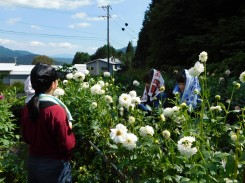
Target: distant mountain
<point>25,57</point>
<point>62,56</point>
<point>23,53</point>
<point>62,60</point>
<point>24,60</point>
<point>5,52</point>
<point>124,49</point>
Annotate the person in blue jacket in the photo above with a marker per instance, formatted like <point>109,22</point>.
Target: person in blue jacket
<point>188,88</point>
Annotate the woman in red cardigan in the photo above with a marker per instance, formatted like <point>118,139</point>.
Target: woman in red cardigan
<point>45,127</point>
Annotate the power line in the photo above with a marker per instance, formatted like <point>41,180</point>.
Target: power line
<point>9,3</point>
<point>59,28</point>
<point>57,36</point>
<point>53,27</point>
<point>116,30</point>
<point>108,35</point>
<point>48,35</point>
<point>121,27</point>
<point>117,43</point>
<point>124,23</point>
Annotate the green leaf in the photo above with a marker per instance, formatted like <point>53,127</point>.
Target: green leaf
<point>185,180</point>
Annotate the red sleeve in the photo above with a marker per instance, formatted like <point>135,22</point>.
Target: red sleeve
<point>65,137</point>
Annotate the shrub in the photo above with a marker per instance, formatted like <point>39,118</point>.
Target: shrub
<point>11,151</point>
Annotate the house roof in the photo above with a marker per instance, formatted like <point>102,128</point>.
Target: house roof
<point>22,70</point>
<point>26,69</point>
<point>112,61</point>
<point>7,66</point>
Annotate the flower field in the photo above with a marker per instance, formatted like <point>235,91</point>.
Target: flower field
<point>117,142</point>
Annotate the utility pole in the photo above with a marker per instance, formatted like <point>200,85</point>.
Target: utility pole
<point>108,37</point>
<point>15,60</point>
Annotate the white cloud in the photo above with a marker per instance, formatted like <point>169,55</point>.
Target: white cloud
<point>7,41</point>
<point>93,48</point>
<point>62,45</point>
<point>103,2</point>
<point>13,21</point>
<point>35,27</point>
<point>107,2</point>
<point>52,44</point>
<point>95,18</point>
<point>80,15</point>
<point>88,49</point>
<point>84,16</point>
<point>78,25</point>
<point>36,43</point>
<point>66,45</point>
<point>51,4</point>
<point>114,16</point>
<point>134,41</point>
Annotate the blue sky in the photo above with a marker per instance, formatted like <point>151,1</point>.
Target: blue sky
<point>63,27</point>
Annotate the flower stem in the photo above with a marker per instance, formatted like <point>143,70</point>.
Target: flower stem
<point>236,154</point>
<point>229,104</point>
<point>201,155</point>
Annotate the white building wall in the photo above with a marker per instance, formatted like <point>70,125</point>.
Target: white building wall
<point>80,67</point>
<point>19,73</point>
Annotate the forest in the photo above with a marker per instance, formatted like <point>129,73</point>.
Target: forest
<point>175,32</point>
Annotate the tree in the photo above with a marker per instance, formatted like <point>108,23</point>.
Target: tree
<point>175,32</point>
<point>81,58</point>
<point>141,52</point>
<point>129,55</point>
<point>42,59</point>
<point>101,52</point>
<point>130,48</point>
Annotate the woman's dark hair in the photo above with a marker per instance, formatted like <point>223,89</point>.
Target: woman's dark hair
<point>181,77</point>
<point>33,106</point>
<point>148,76</point>
<point>42,77</point>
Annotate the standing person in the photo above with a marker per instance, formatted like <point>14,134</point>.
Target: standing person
<point>30,92</point>
<point>186,86</point>
<point>45,127</point>
<point>153,94</point>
